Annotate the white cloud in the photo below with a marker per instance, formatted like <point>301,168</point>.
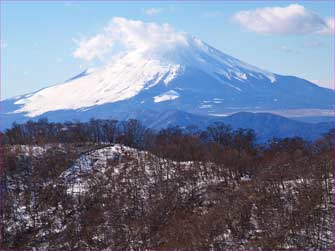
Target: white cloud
<point>294,19</point>
<point>153,11</point>
<point>329,29</point>
<point>129,35</point>
<point>94,47</point>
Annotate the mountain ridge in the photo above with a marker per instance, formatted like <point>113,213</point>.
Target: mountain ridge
<point>266,125</point>
<point>192,77</point>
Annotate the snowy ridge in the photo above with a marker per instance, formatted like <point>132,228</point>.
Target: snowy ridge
<point>135,71</point>
<point>96,160</point>
<point>114,161</point>
<point>169,74</point>
<point>120,80</point>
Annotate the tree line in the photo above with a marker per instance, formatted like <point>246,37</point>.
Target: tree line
<point>182,188</point>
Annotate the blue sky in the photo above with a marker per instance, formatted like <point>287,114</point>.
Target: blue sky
<point>38,39</point>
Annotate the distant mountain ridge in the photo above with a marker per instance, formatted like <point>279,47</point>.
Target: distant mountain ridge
<point>265,125</point>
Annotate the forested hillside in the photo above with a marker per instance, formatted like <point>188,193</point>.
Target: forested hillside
<point>108,184</point>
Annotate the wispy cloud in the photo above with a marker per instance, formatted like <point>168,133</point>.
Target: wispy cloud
<point>286,49</point>
<point>324,83</point>
<point>71,4</point>
<point>153,11</point>
<point>129,35</point>
<point>217,13</point>
<point>294,19</point>
<point>313,44</point>
<point>172,8</point>
<point>329,28</point>
<point>4,45</point>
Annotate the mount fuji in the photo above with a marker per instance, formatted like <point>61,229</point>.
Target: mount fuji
<point>191,76</point>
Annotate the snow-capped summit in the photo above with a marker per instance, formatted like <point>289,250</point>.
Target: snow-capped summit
<point>136,71</point>
<point>187,75</point>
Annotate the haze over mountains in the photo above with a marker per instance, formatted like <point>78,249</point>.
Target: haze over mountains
<point>189,78</point>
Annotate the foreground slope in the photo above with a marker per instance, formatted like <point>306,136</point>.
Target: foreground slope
<point>117,197</point>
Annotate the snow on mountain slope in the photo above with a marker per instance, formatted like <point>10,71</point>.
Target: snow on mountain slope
<point>169,95</point>
<point>129,74</point>
<point>167,72</point>
<point>121,80</point>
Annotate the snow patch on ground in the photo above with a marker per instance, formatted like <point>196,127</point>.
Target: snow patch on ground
<point>205,106</point>
<point>166,96</point>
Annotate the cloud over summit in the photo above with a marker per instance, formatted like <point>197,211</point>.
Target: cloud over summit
<point>129,35</point>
